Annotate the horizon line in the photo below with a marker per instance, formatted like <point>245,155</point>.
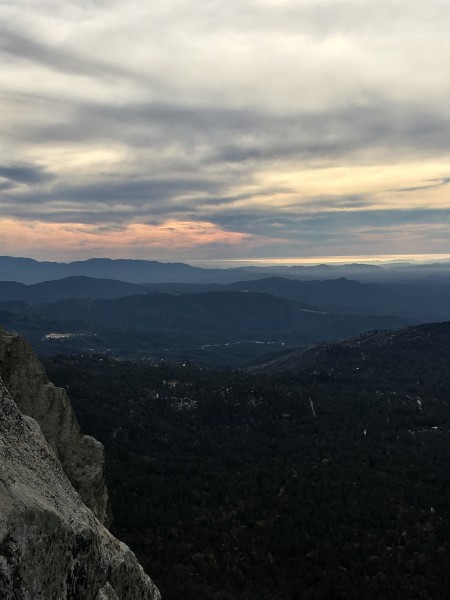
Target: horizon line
<point>343,259</point>
<point>300,260</point>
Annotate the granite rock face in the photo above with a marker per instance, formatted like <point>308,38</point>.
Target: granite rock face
<point>52,547</point>
<point>53,496</point>
<point>81,456</point>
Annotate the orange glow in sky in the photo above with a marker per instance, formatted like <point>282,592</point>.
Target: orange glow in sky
<point>36,235</point>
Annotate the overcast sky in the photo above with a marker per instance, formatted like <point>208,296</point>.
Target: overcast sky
<point>239,129</point>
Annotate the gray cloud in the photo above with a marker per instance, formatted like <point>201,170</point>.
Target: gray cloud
<point>225,135</point>
<point>223,113</point>
<point>432,184</point>
<point>22,46</point>
<point>209,147</point>
<point>24,174</point>
<point>317,227</point>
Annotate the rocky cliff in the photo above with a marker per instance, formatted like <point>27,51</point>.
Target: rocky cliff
<point>81,456</point>
<point>52,547</point>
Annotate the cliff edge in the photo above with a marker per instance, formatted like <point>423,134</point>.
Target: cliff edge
<point>82,457</point>
<point>52,546</point>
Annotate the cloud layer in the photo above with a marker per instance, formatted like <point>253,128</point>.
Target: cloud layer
<point>241,129</point>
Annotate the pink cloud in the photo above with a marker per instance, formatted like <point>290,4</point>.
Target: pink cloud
<point>37,237</point>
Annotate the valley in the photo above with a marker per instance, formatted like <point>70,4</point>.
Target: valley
<point>272,437</point>
<point>327,478</point>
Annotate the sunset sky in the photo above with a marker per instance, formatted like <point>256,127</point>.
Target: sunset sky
<point>178,130</point>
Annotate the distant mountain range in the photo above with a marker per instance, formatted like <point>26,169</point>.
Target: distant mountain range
<point>228,314</point>
<point>29,271</point>
<point>69,287</point>
<point>421,301</point>
<point>144,324</point>
<point>211,316</point>
<point>417,301</point>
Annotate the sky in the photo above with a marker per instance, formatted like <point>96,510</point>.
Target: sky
<point>246,129</point>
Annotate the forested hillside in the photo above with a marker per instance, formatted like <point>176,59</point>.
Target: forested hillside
<point>328,480</point>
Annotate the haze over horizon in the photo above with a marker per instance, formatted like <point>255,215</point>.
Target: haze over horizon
<point>315,261</point>
<point>251,130</point>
